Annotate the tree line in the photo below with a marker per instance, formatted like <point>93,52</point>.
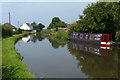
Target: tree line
<point>100,17</point>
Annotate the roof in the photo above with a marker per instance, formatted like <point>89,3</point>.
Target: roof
<point>9,25</point>
<point>25,26</point>
<point>31,27</point>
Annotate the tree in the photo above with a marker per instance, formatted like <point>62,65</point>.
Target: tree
<point>6,31</point>
<point>56,22</point>
<point>37,27</point>
<point>34,24</point>
<point>100,17</point>
<point>40,26</point>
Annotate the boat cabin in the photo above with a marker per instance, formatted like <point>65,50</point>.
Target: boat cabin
<point>94,36</point>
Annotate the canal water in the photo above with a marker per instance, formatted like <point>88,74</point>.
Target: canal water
<point>53,58</point>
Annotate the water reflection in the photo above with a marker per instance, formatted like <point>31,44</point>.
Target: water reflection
<point>89,59</point>
<point>33,38</point>
<point>92,65</point>
<point>56,43</point>
<point>96,49</point>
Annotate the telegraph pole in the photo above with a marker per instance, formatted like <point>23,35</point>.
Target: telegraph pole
<point>9,18</point>
<point>18,24</point>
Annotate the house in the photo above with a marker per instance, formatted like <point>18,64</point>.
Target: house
<point>10,26</point>
<point>26,26</point>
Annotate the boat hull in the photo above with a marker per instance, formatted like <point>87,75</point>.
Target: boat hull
<point>86,41</point>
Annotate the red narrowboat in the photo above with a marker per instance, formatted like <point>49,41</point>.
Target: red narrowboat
<point>105,40</point>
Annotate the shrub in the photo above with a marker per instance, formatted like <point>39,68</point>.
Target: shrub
<point>6,31</point>
<point>61,34</point>
<point>117,36</point>
<point>25,33</point>
<point>45,31</point>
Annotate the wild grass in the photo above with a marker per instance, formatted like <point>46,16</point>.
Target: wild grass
<point>45,31</point>
<point>61,34</point>
<point>12,66</point>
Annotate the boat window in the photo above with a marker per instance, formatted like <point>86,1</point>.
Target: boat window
<point>81,35</point>
<point>92,37</point>
<point>86,37</point>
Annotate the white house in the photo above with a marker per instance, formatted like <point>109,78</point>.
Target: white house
<point>26,26</point>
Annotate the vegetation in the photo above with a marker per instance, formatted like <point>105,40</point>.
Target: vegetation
<point>6,31</point>
<point>100,17</point>
<point>56,43</point>
<point>12,66</point>
<point>61,34</point>
<point>56,22</point>
<point>117,36</point>
<point>37,27</point>
<point>46,31</point>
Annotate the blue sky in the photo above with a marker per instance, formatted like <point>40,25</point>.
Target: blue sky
<point>42,12</point>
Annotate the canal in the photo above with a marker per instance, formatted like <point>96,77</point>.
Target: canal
<point>52,58</point>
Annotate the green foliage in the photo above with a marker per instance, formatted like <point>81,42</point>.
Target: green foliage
<point>56,43</point>
<point>20,30</point>
<point>47,31</point>
<point>12,66</point>
<point>61,34</point>
<point>37,27</point>
<point>25,33</point>
<point>34,24</point>
<point>6,31</point>
<point>75,27</point>
<point>100,17</point>
<point>117,36</point>
<point>56,22</point>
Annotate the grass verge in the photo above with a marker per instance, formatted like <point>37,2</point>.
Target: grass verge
<point>12,65</point>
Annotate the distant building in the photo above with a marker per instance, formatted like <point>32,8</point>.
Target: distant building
<point>53,29</point>
<point>62,28</point>
<point>59,28</point>
<point>26,26</point>
<point>10,26</point>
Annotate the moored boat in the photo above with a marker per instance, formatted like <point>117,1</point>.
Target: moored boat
<point>105,40</point>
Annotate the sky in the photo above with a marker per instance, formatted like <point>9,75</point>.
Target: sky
<point>42,12</point>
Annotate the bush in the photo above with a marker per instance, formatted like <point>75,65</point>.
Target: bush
<point>117,36</point>
<point>61,34</point>
<point>25,33</point>
<point>47,31</point>
<point>6,31</point>
<point>20,30</point>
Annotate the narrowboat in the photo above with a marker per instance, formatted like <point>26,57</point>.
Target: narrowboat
<point>104,40</point>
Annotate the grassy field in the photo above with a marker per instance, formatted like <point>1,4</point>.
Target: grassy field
<point>12,65</point>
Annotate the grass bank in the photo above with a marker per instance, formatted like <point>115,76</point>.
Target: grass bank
<point>12,65</point>
<point>60,34</point>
